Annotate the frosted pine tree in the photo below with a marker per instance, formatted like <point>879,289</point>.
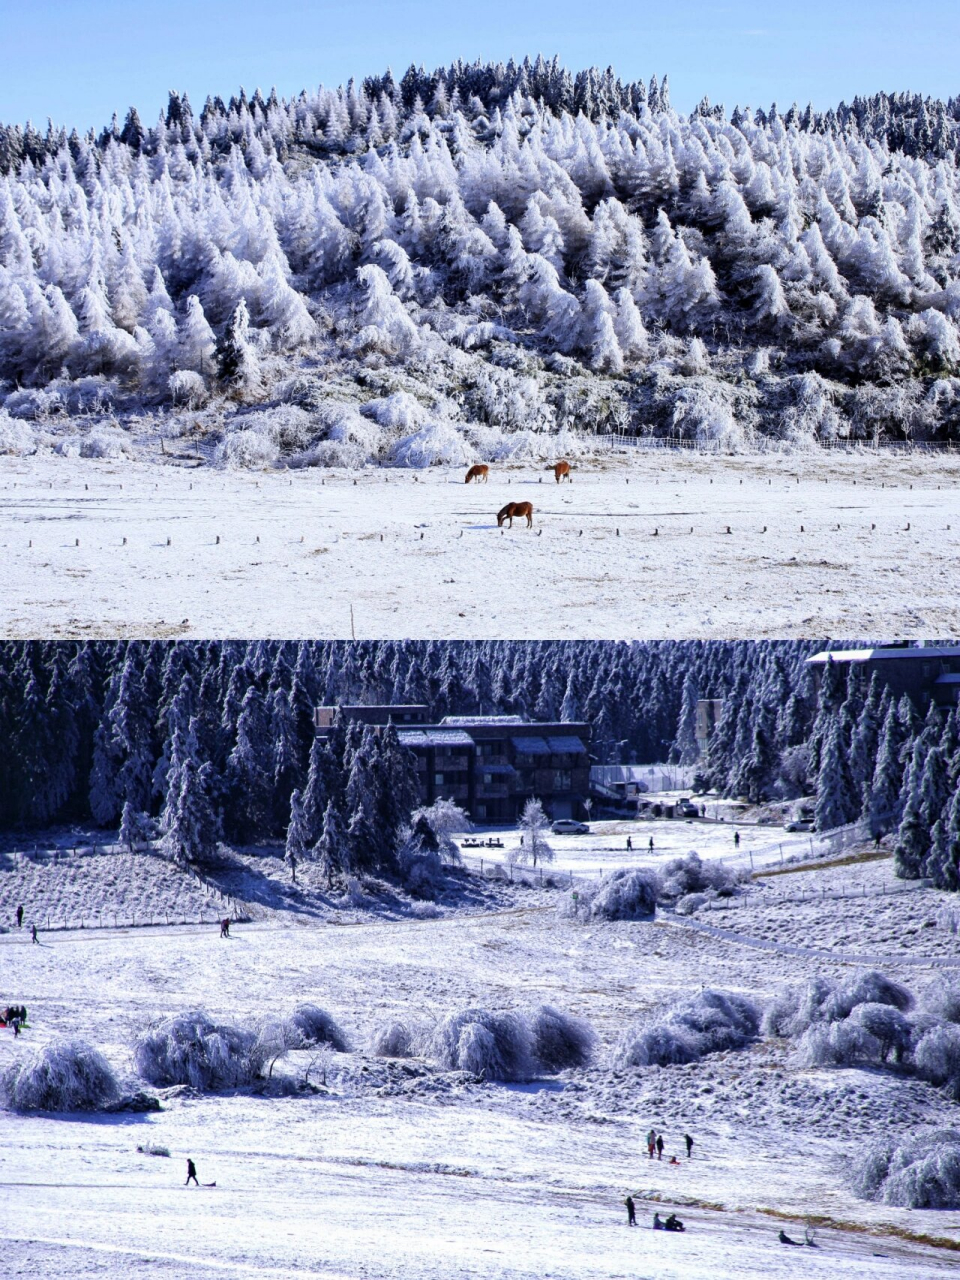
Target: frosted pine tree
<point>297,836</point>
<point>238,365</point>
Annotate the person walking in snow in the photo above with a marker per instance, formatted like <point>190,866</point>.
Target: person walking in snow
<point>191,1173</point>
<point>225,927</point>
<point>736,839</point>
<point>631,1212</point>
<point>689,1141</point>
<point>33,934</point>
<point>629,844</point>
<point>651,1142</point>
<point>659,1146</point>
<point>19,917</point>
<point>650,846</point>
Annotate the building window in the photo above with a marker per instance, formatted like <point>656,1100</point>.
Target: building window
<point>488,779</point>
<point>481,810</point>
<point>438,779</point>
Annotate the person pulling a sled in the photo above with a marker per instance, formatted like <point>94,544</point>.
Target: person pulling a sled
<point>191,1173</point>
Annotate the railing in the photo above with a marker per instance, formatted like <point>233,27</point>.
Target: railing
<point>766,444</point>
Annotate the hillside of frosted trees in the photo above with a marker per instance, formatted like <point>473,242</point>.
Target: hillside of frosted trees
<point>218,737</point>
<point>482,261</point>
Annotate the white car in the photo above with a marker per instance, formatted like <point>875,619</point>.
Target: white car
<point>569,827</point>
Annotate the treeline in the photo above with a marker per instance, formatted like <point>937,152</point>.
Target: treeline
<point>89,728</point>
<point>481,254</point>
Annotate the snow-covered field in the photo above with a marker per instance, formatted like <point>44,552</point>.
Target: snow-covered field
<point>401,1170</point>
<point>95,548</point>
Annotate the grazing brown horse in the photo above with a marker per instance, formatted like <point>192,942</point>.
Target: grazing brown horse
<point>517,509</point>
<point>560,469</point>
<point>478,472</point>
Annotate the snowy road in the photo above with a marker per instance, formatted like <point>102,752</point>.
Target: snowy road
<point>821,544</point>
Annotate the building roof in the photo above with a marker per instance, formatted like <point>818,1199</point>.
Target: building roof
<point>484,767</point>
<point>887,652</point>
<point>531,746</point>
<point>434,738</point>
<point>952,677</point>
<point>480,720</point>
<point>566,744</point>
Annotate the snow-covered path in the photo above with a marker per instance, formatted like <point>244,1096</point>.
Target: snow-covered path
<point>104,548</point>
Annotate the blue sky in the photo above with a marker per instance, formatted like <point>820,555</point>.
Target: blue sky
<point>78,61</point>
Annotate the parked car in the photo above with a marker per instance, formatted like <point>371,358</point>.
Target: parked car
<point>569,827</point>
<point>797,826</point>
<point>687,809</point>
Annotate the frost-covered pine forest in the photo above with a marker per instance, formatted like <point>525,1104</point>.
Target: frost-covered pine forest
<point>194,742</point>
<point>483,261</point>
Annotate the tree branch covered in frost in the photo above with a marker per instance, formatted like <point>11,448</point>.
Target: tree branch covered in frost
<point>190,1048</point>
<point>711,1022</point>
<point>67,1075</point>
<point>626,893</point>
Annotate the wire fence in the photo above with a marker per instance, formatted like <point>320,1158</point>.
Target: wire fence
<point>631,440</point>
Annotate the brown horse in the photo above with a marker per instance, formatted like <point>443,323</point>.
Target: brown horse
<point>560,469</point>
<point>478,472</point>
<point>517,509</point>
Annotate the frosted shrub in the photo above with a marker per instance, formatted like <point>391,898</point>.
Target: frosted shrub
<point>837,1044</point>
<point>316,1026</point>
<point>792,1011</point>
<point>560,1040</point>
<point>190,1048</point>
<point>711,1022</point>
<point>399,1038</point>
<point>691,903</point>
<point>19,438</point>
<point>887,1025</point>
<point>34,403</point>
<point>99,442</point>
<point>187,388</point>
<point>690,874</point>
<point>919,1172</point>
<point>67,1075</point>
<point>936,1057</point>
<point>251,447</point>
<point>942,999</point>
<point>704,414</point>
<point>398,412</point>
<point>493,1046</point>
<point>626,894</point>
<point>437,443</point>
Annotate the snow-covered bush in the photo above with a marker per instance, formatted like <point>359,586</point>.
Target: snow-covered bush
<point>690,874</point>
<point>190,1048</point>
<point>187,388</point>
<point>443,820</point>
<point>792,1011</point>
<point>493,1046</point>
<point>103,441</point>
<point>399,411</point>
<point>248,448</point>
<point>560,1040</point>
<point>942,998</point>
<point>34,402</point>
<point>19,438</point>
<point>627,893</point>
<point>837,1044</point>
<point>66,1075</point>
<point>888,1027</point>
<point>710,1022</point>
<point>316,1026</point>
<point>936,1057</point>
<point>690,903</point>
<point>400,1038</point>
<point>919,1172</point>
<point>435,444</point>
<point>425,911</point>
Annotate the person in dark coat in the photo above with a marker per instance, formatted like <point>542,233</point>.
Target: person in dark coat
<point>785,1239</point>
<point>191,1173</point>
<point>650,846</point>
<point>689,1141</point>
<point>631,1212</point>
<point>33,934</point>
<point>673,1223</point>
<point>736,839</point>
<point>659,1146</point>
<point>225,927</point>
<point>19,917</point>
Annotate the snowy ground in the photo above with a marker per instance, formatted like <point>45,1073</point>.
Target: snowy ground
<point>393,553</point>
<point>399,1170</point>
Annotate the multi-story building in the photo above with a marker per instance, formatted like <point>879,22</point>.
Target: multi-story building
<point>927,672</point>
<point>490,765</point>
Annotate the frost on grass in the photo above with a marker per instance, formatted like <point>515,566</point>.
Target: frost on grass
<point>711,1022</point>
<point>919,1172</point>
<point>67,1075</point>
<point>316,1026</point>
<point>560,1041</point>
<point>190,1048</point>
<point>493,1046</point>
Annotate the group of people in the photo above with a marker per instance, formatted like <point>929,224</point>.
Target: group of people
<point>655,1143</point>
<point>670,1223</point>
<point>15,1015</point>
